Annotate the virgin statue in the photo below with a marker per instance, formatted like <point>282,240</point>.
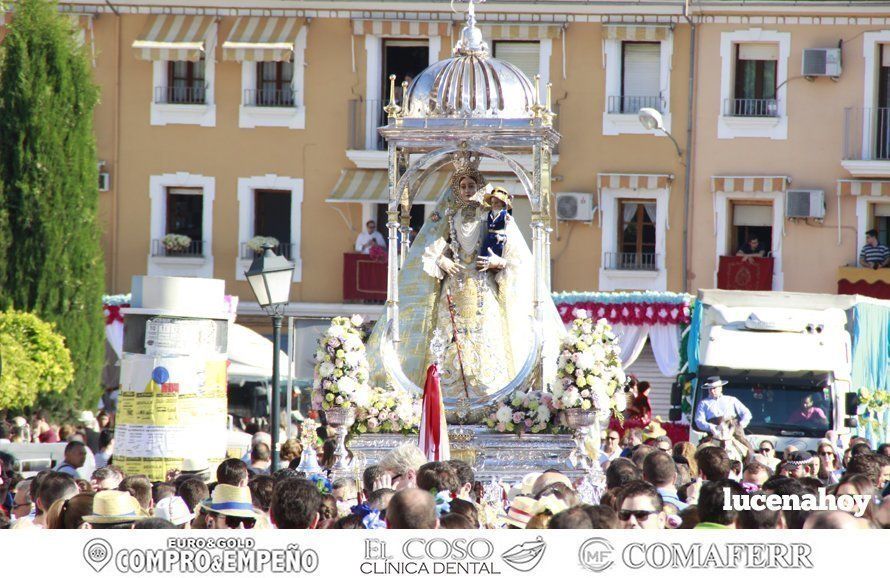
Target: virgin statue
<point>481,303</point>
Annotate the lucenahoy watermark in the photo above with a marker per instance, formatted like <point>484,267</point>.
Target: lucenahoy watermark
<point>855,504</point>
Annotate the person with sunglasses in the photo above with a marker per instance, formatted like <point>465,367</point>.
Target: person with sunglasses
<point>766,454</point>
<point>611,447</point>
<point>641,507</point>
<point>829,471</point>
<point>230,507</point>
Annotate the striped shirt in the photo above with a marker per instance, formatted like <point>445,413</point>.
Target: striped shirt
<point>874,253</point>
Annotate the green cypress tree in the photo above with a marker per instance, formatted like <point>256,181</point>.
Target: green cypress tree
<point>49,237</point>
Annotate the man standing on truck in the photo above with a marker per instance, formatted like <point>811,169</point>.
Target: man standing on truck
<point>719,408</point>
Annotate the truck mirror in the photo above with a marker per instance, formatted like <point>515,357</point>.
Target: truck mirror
<point>676,393</point>
<point>851,422</point>
<point>851,403</point>
<point>675,414</point>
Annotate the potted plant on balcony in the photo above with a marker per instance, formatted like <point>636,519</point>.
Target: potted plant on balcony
<point>176,244</point>
<point>257,242</point>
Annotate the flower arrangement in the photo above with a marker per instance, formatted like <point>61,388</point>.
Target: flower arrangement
<point>321,482</point>
<point>257,242</point>
<point>589,373</point>
<point>174,242</point>
<point>525,412</point>
<point>341,367</point>
<point>872,405</point>
<point>388,411</point>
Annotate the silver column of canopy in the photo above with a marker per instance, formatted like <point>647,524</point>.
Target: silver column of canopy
<point>469,103</point>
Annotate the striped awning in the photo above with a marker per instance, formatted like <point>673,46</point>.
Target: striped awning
<point>863,188</point>
<point>770,184</point>
<point>372,186</point>
<point>400,28</point>
<point>520,31</point>
<point>652,33</point>
<point>168,37</point>
<point>633,181</point>
<point>257,39</point>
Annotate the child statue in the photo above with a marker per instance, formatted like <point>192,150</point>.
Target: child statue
<point>500,205</point>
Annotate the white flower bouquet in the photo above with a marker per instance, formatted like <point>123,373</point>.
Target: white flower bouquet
<point>389,411</point>
<point>525,412</point>
<point>341,367</point>
<point>256,243</point>
<point>589,373</point>
<point>174,242</point>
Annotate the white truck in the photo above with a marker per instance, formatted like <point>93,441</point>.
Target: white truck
<point>781,353</point>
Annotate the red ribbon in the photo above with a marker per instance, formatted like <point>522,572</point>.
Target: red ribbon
<point>113,314</point>
<point>431,435</point>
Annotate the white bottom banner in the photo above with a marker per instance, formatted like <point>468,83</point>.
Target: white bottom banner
<point>360,553</point>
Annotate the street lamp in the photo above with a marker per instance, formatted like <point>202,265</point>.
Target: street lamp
<point>651,119</point>
<point>270,276</point>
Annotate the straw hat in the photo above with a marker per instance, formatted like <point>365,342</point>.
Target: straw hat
<point>501,194</point>
<point>714,381</point>
<point>525,487</point>
<point>113,507</point>
<point>195,467</point>
<point>231,501</point>
<point>653,430</point>
<point>174,510</point>
<point>522,509</point>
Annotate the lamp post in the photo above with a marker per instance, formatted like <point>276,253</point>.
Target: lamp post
<point>270,276</point>
<point>651,119</point>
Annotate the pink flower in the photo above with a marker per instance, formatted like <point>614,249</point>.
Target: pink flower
<point>528,422</point>
<point>500,427</point>
<point>517,417</point>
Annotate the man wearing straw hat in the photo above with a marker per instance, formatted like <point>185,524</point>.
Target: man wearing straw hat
<point>230,507</point>
<point>113,509</point>
<point>719,409</point>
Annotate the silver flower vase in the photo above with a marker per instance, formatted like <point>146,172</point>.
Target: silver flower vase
<point>586,424</point>
<point>341,419</point>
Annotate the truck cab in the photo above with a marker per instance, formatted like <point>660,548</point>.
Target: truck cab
<point>786,357</point>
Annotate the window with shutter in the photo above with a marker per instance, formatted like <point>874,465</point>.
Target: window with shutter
<point>640,78</point>
<point>526,56</point>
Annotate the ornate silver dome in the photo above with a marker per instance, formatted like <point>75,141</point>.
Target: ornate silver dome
<point>470,84</point>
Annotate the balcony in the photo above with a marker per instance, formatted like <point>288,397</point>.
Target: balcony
<point>194,250</point>
<point>264,97</point>
<point>631,261</point>
<point>360,137</point>
<point>862,281</point>
<point>180,95</point>
<point>867,142</point>
<point>633,104</point>
<point>751,107</point>
<point>286,250</point>
<point>741,274</point>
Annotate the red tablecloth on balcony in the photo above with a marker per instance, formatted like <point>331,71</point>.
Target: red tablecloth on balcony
<point>862,281</point>
<point>364,278</point>
<point>753,275</point>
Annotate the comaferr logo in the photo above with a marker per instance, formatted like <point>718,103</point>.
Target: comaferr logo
<point>661,555</point>
<point>596,554</point>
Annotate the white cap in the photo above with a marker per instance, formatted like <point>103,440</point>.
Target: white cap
<point>174,510</point>
<point>261,437</point>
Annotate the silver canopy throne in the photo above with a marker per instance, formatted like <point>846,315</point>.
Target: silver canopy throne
<point>470,103</point>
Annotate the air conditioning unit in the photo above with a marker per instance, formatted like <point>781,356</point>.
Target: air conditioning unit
<point>574,206</point>
<point>821,62</point>
<point>104,181</point>
<point>804,204</point>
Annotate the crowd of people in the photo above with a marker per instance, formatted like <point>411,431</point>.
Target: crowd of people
<point>649,484</point>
